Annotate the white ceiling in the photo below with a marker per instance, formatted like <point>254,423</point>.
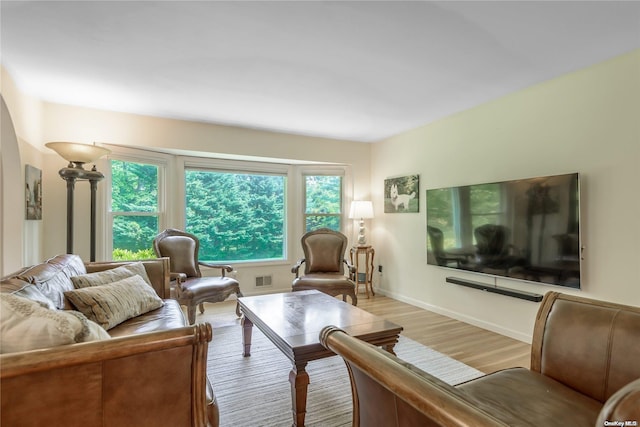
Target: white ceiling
<point>356,70</point>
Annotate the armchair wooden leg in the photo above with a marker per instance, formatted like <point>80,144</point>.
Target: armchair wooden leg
<point>191,313</point>
<point>201,308</point>
<point>239,295</point>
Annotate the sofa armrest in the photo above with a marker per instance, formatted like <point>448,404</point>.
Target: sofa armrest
<point>351,269</point>
<point>296,268</point>
<point>623,405</point>
<point>157,378</point>
<point>388,391</point>
<point>224,268</point>
<point>178,277</point>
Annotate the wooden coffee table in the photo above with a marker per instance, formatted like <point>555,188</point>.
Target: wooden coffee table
<point>292,321</point>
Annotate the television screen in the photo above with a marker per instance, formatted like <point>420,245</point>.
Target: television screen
<point>527,229</point>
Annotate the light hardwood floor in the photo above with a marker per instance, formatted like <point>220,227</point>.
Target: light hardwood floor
<point>484,350</point>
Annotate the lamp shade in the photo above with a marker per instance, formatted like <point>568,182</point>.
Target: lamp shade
<point>78,153</point>
<point>361,209</point>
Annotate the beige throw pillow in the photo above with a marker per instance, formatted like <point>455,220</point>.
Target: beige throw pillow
<point>112,275</point>
<point>111,304</point>
<point>28,325</point>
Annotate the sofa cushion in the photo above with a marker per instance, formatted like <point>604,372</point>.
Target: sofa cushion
<point>169,316</point>
<point>26,290</point>
<point>520,397</point>
<point>109,276</point>
<point>113,303</point>
<point>28,325</point>
<point>53,276</point>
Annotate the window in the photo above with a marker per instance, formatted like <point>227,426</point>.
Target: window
<point>461,210</point>
<point>485,205</point>
<point>323,202</point>
<point>237,216</point>
<point>135,209</point>
<point>241,211</point>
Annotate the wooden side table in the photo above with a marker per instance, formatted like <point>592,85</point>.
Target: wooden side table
<point>363,278</point>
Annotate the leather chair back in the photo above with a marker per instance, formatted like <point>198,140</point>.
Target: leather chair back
<point>324,251</point>
<point>589,345</point>
<point>182,249</point>
<point>492,239</point>
<point>436,238</point>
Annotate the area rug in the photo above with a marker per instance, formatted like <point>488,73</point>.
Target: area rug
<point>255,391</point>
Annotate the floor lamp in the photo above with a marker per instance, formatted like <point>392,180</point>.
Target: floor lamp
<point>77,155</point>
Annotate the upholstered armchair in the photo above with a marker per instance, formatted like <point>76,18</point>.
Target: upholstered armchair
<point>325,265</point>
<point>188,284</point>
<point>444,258</point>
<point>494,250</point>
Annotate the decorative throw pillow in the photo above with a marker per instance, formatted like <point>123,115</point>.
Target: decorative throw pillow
<point>28,325</point>
<point>112,275</point>
<point>111,304</point>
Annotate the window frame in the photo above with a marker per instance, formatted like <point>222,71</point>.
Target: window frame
<point>347,197</point>
<point>475,215</point>
<point>171,192</point>
<point>240,166</point>
<point>342,215</point>
<point>162,161</point>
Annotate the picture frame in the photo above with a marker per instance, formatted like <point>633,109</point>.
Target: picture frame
<point>33,192</point>
<point>402,194</point>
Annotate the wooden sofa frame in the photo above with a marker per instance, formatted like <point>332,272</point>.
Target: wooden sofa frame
<point>138,380</point>
<point>584,371</point>
<point>119,382</point>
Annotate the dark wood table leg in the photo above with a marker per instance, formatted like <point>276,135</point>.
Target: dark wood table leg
<point>247,328</point>
<point>389,348</point>
<point>299,379</point>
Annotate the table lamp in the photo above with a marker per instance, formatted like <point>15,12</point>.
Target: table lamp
<point>361,209</point>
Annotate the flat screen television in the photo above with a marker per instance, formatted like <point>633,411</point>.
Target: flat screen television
<point>526,229</point>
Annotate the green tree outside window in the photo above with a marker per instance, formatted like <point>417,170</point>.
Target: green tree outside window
<point>236,216</point>
<point>134,208</point>
<point>323,202</point>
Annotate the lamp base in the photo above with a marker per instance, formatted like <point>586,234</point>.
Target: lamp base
<point>362,239</point>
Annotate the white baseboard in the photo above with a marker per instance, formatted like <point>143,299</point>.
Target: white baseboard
<point>458,316</point>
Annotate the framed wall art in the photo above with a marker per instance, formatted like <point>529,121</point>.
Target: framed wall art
<point>33,192</point>
<point>401,195</point>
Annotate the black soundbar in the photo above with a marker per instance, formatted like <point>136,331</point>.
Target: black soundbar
<point>529,296</point>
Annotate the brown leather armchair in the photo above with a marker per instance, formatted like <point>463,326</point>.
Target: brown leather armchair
<point>444,258</point>
<point>494,252</point>
<point>325,263</point>
<point>190,287</point>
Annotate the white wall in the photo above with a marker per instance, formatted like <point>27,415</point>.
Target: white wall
<point>10,192</point>
<point>54,122</point>
<point>587,122</point>
<point>67,123</point>
<point>21,128</point>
